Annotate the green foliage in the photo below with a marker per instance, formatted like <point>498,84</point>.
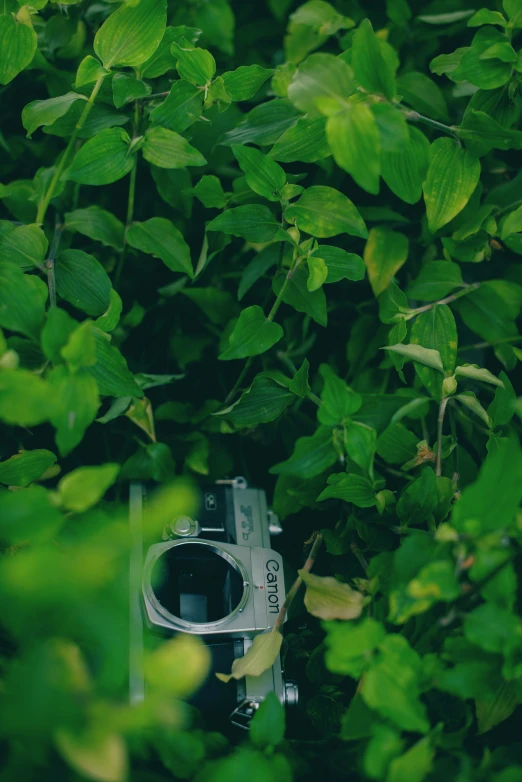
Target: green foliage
<point>279,240</point>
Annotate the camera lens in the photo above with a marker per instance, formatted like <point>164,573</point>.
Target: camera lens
<point>198,582</point>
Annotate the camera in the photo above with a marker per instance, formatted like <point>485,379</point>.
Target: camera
<point>214,575</point>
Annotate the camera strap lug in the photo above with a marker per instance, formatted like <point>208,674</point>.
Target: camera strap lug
<point>243,713</point>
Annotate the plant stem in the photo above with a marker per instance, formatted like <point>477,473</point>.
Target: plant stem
<point>414,116</point>
<point>447,300</point>
<point>271,315</point>
<point>440,423</point>
<point>240,379</point>
<point>308,565</point>
<point>62,165</point>
<point>132,194</point>
<point>480,345</point>
<point>49,264</point>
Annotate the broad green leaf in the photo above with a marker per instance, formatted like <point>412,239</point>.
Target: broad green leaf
<point>55,333</point>
<point>82,488</point>
<point>311,456</point>
<point>126,88</point>
<point>384,254</point>
<point>372,69</point>
<point>299,384</point>
<point>89,70</point>
<point>245,81</point>
<point>17,46</point>
<point>25,467</point>
<point>263,125</point>
<point>298,295</point>
<point>341,265</point>
<point>267,727</point>
<point>305,142</point>
<point>485,16</point>
<point>263,175</point>
<point>163,60</point>
<point>360,441</point>
<point>28,516</point>
<point>166,149</point>
<point>263,261</point>
<point>131,35</point>
<point>219,306</point>
<point>393,308</point>
<point>180,109</point>
<point>264,401</point>
<point>477,373</point>
<point>414,765</point>
<point>327,598</point>
<point>384,745</point>
<point>258,659</point>
<point>514,11</point>
<point>482,507</point>
<point>397,444</point>
<point>431,358</point>
<point>97,224</point>
<point>25,398</point>
<point>178,665</point>
<point>103,159</point>
<point>512,224</point>
<point>392,126</point>
<point>317,273</point>
<point>45,112</point>
<point>253,334</point>
<point>436,279</point>
<point>22,306</point>
<point>25,245</point>
<point>97,754</point>
<point>350,645</point>
<point>481,133</point>
<point>321,82</point>
<point>490,712</point>
<point>160,238</point>
<point>484,73</point>
<point>421,92</point>
<point>196,66</point>
<point>110,369</point>
<point>502,408</point>
<point>254,222</point>
<point>353,137</point>
<point>350,488</point>
<point>404,170</point>
<point>452,177</point>
<point>492,628</point>
<point>338,401</point>
<point>82,281</point>
<point>469,400</point>
<point>210,192</point>
<point>436,330</point>
<point>77,403</point>
<point>323,212</point>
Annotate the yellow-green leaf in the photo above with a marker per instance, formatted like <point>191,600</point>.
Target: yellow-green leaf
<point>132,33</point>
<point>452,177</point>
<point>258,659</point>
<point>328,598</point>
<point>80,489</point>
<point>384,254</point>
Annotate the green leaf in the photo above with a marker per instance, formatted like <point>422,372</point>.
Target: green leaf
<point>126,88</point>
<point>360,442</point>
<point>414,764</point>
<point>311,456</point>
<point>131,35</point>
<point>253,334</point>
<point>245,81</point>
<point>298,296</point>
<point>338,401</point>
<point>321,82</point>
<point>258,659</point>
<point>25,245</point>
<point>17,46</point>
<point>263,175</point>
<point>353,137</point>
<point>103,159</point>
<point>502,408</point>
<point>25,467</point>
<point>423,94</point>
<point>317,273</point>
<point>372,69</point>
<point>45,112</point>
<point>430,358</point>
<point>22,305</point>
<point>436,279</point>
<point>89,70</point>
<point>485,16</point>
<point>181,108</point>
<point>264,401</point>
<point>323,212</point>
<point>110,369</point>
<point>267,727</point>
<point>77,404</point>
<point>328,598</point>
<point>436,330</point>
<point>161,239</point>
<point>82,281</point>
<point>514,11</point>
<point>163,60</point>
<point>210,192</point>
<point>350,645</point>
<point>492,628</point>
<point>96,754</point>
<point>263,125</point>
<point>512,224</point>
<point>263,261</point>
<point>341,265</point>
<point>97,224</point>
<point>384,254</point>
<point>404,170</point>
<point>482,507</point>
<point>397,444</point>
<point>196,66</point>
<point>299,384</point>
<point>84,487</point>
<point>469,400</point>
<point>254,222</point>
<point>25,399</point>
<point>481,133</point>
<point>484,73</point>
<point>350,488</point>
<point>28,516</point>
<point>166,149</point>
<point>305,142</point>
<point>477,373</point>
<point>450,182</point>
<point>491,712</point>
<point>55,333</point>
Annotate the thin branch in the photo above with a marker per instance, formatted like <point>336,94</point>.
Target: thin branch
<point>440,424</point>
<point>414,116</point>
<point>308,565</point>
<point>481,345</point>
<point>447,300</point>
<point>240,379</point>
<point>49,263</point>
<point>132,195</point>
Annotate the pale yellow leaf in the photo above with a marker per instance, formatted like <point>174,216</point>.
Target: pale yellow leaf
<point>260,656</point>
<point>328,598</point>
<point>94,755</point>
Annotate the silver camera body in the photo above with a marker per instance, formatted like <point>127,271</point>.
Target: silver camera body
<point>214,575</point>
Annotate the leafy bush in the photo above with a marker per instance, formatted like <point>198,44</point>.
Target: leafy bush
<point>282,242</point>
